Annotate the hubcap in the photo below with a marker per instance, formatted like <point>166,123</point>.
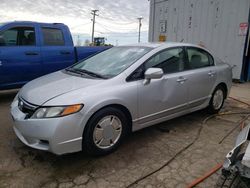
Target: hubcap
<point>218,99</point>
<point>107,132</point>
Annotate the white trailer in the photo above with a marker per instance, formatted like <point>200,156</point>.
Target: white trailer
<point>222,26</point>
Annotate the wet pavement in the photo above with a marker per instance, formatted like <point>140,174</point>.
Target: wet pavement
<point>170,154</point>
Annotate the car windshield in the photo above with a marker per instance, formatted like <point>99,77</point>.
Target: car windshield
<point>111,62</point>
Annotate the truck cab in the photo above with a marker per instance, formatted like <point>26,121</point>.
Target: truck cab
<point>30,49</point>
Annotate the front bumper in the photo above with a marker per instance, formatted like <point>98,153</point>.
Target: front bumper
<point>57,135</point>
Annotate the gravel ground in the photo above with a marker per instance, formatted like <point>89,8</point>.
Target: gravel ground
<point>170,154</point>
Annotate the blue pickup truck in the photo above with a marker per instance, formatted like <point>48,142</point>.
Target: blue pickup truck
<point>30,49</point>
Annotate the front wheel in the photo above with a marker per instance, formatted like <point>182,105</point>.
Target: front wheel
<point>105,131</point>
<point>217,100</point>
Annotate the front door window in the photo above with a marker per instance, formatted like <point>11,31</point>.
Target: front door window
<point>18,36</point>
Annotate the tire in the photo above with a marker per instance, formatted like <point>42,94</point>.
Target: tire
<point>217,100</point>
<point>105,131</point>
<point>232,180</point>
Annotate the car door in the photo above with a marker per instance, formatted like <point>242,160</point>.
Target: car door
<point>57,51</point>
<point>20,57</point>
<point>202,76</point>
<point>167,96</point>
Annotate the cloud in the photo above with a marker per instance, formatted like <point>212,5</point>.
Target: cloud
<point>114,16</point>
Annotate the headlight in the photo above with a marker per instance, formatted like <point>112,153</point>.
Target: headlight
<point>58,111</point>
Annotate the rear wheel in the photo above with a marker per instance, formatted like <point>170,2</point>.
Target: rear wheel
<point>105,131</point>
<point>217,100</point>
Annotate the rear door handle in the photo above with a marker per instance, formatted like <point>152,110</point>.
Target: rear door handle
<point>211,73</point>
<point>64,52</point>
<point>31,53</point>
<point>181,80</point>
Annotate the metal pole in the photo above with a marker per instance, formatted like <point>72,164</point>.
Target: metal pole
<point>93,12</point>
<point>139,34</point>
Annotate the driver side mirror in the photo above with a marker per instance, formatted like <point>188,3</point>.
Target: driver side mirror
<point>152,73</point>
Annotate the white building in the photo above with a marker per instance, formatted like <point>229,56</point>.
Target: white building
<point>222,26</point>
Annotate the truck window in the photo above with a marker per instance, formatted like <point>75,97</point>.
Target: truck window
<point>52,37</point>
<point>18,36</point>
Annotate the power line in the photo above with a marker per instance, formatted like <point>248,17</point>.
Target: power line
<point>118,27</point>
<point>106,28</point>
<point>118,23</point>
<point>121,35</point>
<point>80,25</point>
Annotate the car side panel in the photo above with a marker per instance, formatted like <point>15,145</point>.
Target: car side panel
<point>200,85</point>
<point>118,91</point>
<point>224,75</point>
<point>161,98</point>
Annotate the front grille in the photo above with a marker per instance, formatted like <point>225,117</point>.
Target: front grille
<point>26,107</point>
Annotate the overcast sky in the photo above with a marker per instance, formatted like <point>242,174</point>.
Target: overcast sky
<point>116,21</point>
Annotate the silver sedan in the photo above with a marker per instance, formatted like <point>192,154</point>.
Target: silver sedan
<point>92,105</point>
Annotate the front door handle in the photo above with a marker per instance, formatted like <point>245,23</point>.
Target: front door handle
<point>181,79</point>
<point>31,53</point>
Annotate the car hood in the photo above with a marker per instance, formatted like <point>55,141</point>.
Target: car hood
<point>52,85</point>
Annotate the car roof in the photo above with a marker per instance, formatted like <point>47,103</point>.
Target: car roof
<point>156,45</point>
<point>163,44</point>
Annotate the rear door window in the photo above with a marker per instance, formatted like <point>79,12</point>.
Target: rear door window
<point>18,36</point>
<point>198,58</point>
<point>52,37</point>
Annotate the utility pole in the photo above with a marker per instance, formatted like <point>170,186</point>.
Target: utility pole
<point>93,12</point>
<point>139,35</point>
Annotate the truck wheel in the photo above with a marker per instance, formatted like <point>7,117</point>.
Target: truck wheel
<point>104,131</point>
<point>217,100</point>
<point>232,180</point>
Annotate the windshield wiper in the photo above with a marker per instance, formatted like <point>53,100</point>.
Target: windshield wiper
<point>83,71</point>
<point>70,69</point>
<point>91,73</point>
